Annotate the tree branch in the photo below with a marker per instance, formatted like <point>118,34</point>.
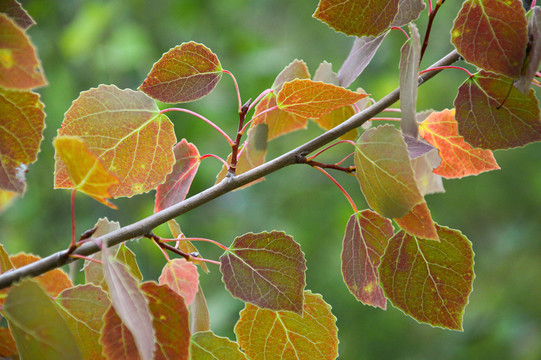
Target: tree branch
<point>144,226</point>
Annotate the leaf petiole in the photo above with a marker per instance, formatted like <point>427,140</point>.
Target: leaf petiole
<point>236,87</point>
<point>214,156</point>
<point>437,68</point>
<point>310,158</point>
<point>348,197</point>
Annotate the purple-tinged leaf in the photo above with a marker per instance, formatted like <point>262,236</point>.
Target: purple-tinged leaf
<point>365,239</point>
<point>325,74</point>
<point>297,69</point>
<point>178,182</point>
<point>94,271</point>
<point>17,13</point>
<point>182,277</point>
<point>185,73</point>
<point>427,181</point>
<point>361,53</point>
<point>428,280</point>
<point>533,57</point>
<point>357,17</point>
<point>416,147</point>
<point>207,345</point>
<point>199,313</point>
<point>267,270</point>
<point>130,304</point>
<point>408,11</point>
<point>409,74</point>
<point>492,34</point>
<point>493,114</point>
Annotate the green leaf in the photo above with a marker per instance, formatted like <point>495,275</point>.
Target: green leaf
<point>37,324</point>
<point>365,239</point>
<point>428,280</point>
<point>182,277</point>
<point>185,73</point>
<point>23,121</point>
<point>492,114</point>
<point>208,346</point>
<point>492,34</point>
<point>408,80</point>
<point>357,17</point>
<point>85,306</point>
<point>384,172</point>
<point>266,334</point>
<point>126,132</point>
<point>126,257</point>
<point>265,269</point>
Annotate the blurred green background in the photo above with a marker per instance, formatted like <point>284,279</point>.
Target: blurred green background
<point>86,43</point>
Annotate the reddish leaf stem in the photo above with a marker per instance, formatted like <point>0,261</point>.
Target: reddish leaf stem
<point>329,147</point>
<point>173,249</point>
<point>257,99</point>
<point>392,110</point>
<point>429,7</point>
<point>214,156</point>
<point>223,247</point>
<point>438,68</point>
<point>344,159</point>
<point>236,87</point>
<point>258,115</point>
<point>403,31</point>
<point>533,4</point>
<point>431,16</point>
<point>350,200</point>
<point>216,127</point>
<point>86,258</point>
<point>385,119</point>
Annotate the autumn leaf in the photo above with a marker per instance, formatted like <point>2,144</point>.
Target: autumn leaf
<point>267,334</point>
<point>185,73</point>
<point>408,80</point>
<point>207,345</point>
<point>313,99</point>
<point>5,262</point>
<point>325,74</point>
<point>492,34</point>
<point>459,158</point>
<point>15,11</point>
<point>428,280</point>
<point>6,198</point>
<point>408,11</point>
<point>533,57</point>
<point>20,68</point>
<point>116,340</point>
<point>384,172</point>
<point>184,245</point>
<point>365,239</point>
<point>265,269</point>
<point>182,277</point>
<point>297,69</point>
<point>22,119</point>
<point>493,114</point>
<point>177,183</point>
<point>8,348</point>
<point>418,222</point>
<point>335,118</point>
<point>126,132</point>
<point>423,166</point>
<point>357,17</point>
<point>86,172</point>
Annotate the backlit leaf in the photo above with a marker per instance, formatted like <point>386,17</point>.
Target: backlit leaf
<point>428,280</point>
<point>182,277</point>
<point>177,183</point>
<point>126,257</point>
<point>19,67</point>
<point>265,269</point>
<point>86,172</point>
<point>265,334</point>
<point>185,246</point>
<point>208,346</point>
<point>492,34</point>
<point>37,324</point>
<point>5,262</point>
<point>313,99</point>
<point>85,306</point>
<point>493,114</point>
<point>408,11</point>
<point>365,239</point>
<point>126,132</point>
<point>199,313</point>
<point>533,58</point>
<point>458,157</point>
<point>416,147</point>
<point>94,271</point>
<point>361,54</point>
<point>324,73</point>
<point>130,305</point>
<point>418,222</point>
<point>16,12</point>
<point>384,172</point>
<point>185,73</point>
<point>22,119</point>
<point>8,348</point>
<point>116,340</point>
<point>357,17</point>
<point>170,320</point>
<point>423,166</point>
<point>6,198</point>
<point>297,69</point>
<point>335,118</point>
<point>409,74</point>
<point>279,122</point>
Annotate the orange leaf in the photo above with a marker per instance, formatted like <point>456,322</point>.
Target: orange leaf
<point>86,172</point>
<point>280,122</point>
<point>418,222</point>
<point>182,277</point>
<point>458,158</point>
<point>313,99</point>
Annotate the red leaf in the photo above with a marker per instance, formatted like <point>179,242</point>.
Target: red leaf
<point>177,183</point>
<point>182,277</point>
<point>418,222</point>
<point>493,114</point>
<point>492,34</point>
<point>185,73</point>
<point>116,339</point>
<point>366,237</point>
<point>458,157</point>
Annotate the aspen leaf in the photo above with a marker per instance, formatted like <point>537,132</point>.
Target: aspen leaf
<point>6,198</point>
<point>279,122</point>
<point>365,239</point>
<point>116,340</point>
<point>384,172</point>
<point>182,277</point>
<point>458,158</point>
<point>428,280</point>
<point>206,345</point>
<point>126,132</point>
<point>8,348</point>
<point>418,222</point>
<point>325,74</point>
<point>492,34</point>
<point>185,73</point>
<point>265,334</point>
<point>357,17</point>
<point>533,57</point>
<point>493,114</point>
<point>5,262</point>
<point>363,50</point>
<point>200,318</point>
<point>408,11</point>
<point>94,271</point>
<point>423,166</point>
<point>20,68</point>
<point>297,69</point>
<point>408,80</point>
<point>15,11</point>
<point>22,119</point>
<point>177,183</point>
<point>313,99</point>
<point>265,269</point>
<point>86,172</point>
